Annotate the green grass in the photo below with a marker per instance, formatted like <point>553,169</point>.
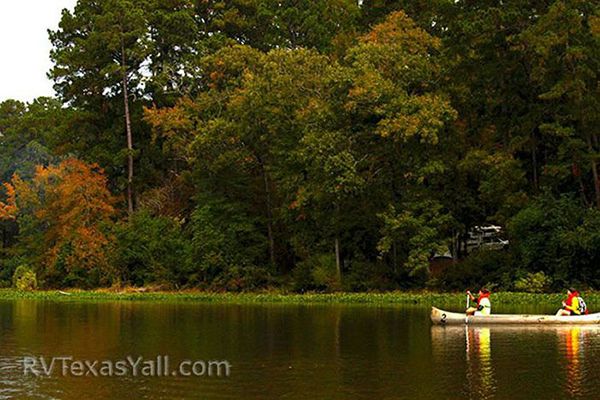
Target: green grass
<point>423,298</point>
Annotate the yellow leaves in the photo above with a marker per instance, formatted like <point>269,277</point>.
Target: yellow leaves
<point>391,65</point>
<point>215,76</point>
<point>595,26</point>
<point>420,116</point>
<point>168,122</point>
<point>399,30</point>
<point>316,109</point>
<point>369,91</point>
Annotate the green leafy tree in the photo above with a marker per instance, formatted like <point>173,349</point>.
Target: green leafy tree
<point>151,250</point>
<point>267,25</point>
<point>563,49</point>
<point>421,228</point>
<point>98,54</point>
<point>26,134</point>
<point>243,127</point>
<point>225,239</point>
<point>558,237</point>
<point>397,109</point>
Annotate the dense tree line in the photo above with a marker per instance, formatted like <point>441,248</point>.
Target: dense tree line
<point>317,145</point>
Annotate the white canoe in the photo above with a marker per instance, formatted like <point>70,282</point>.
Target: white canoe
<point>441,317</point>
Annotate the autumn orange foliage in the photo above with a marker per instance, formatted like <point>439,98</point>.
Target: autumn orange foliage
<point>400,30</point>
<point>69,202</point>
<point>8,209</point>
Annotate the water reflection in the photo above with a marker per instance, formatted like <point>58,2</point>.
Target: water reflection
<point>526,351</point>
<point>472,345</point>
<point>296,352</point>
<point>573,340</point>
<point>290,352</point>
<point>479,359</point>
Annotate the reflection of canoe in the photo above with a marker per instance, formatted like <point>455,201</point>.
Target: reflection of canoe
<point>441,317</point>
<point>452,332</point>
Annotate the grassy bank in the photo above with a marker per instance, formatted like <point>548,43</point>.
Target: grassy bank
<point>424,298</point>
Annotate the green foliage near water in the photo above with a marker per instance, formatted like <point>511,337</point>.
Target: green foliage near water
<point>309,146</point>
<point>150,250</point>
<point>24,278</point>
<point>533,283</point>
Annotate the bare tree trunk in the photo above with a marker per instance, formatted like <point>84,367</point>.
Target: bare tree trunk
<point>130,205</point>
<point>269,206</point>
<point>395,256</point>
<point>535,167</point>
<point>594,172</point>
<point>455,246</point>
<point>338,260</point>
<point>582,190</point>
<point>338,251</point>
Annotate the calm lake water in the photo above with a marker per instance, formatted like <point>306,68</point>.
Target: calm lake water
<point>292,352</point>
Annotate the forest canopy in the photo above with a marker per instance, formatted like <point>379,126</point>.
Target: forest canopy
<point>318,145</point>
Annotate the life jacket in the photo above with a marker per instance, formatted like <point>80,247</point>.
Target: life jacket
<point>583,310</point>
<point>570,306</point>
<point>484,306</point>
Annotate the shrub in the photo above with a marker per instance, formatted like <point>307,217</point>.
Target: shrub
<point>24,278</point>
<point>302,278</point>
<point>364,276</point>
<point>8,266</point>
<point>318,272</point>
<point>150,250</point>
<point>224,237</point>
<point>241,279</point>
<point>533,283</point>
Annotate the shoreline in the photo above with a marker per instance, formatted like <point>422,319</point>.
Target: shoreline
<point>385,298</point>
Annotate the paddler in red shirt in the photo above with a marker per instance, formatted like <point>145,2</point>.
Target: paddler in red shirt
<point>484,306</point>
<point>574,305</point>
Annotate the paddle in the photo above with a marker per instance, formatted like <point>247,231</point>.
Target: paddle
<point>468,299</point>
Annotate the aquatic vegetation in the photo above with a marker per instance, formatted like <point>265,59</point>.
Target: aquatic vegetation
<point>387,298</point>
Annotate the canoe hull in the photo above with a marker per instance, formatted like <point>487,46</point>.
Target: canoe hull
<point>441,317</point>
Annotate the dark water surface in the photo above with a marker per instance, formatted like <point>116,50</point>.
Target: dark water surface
<point>293,352</point>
